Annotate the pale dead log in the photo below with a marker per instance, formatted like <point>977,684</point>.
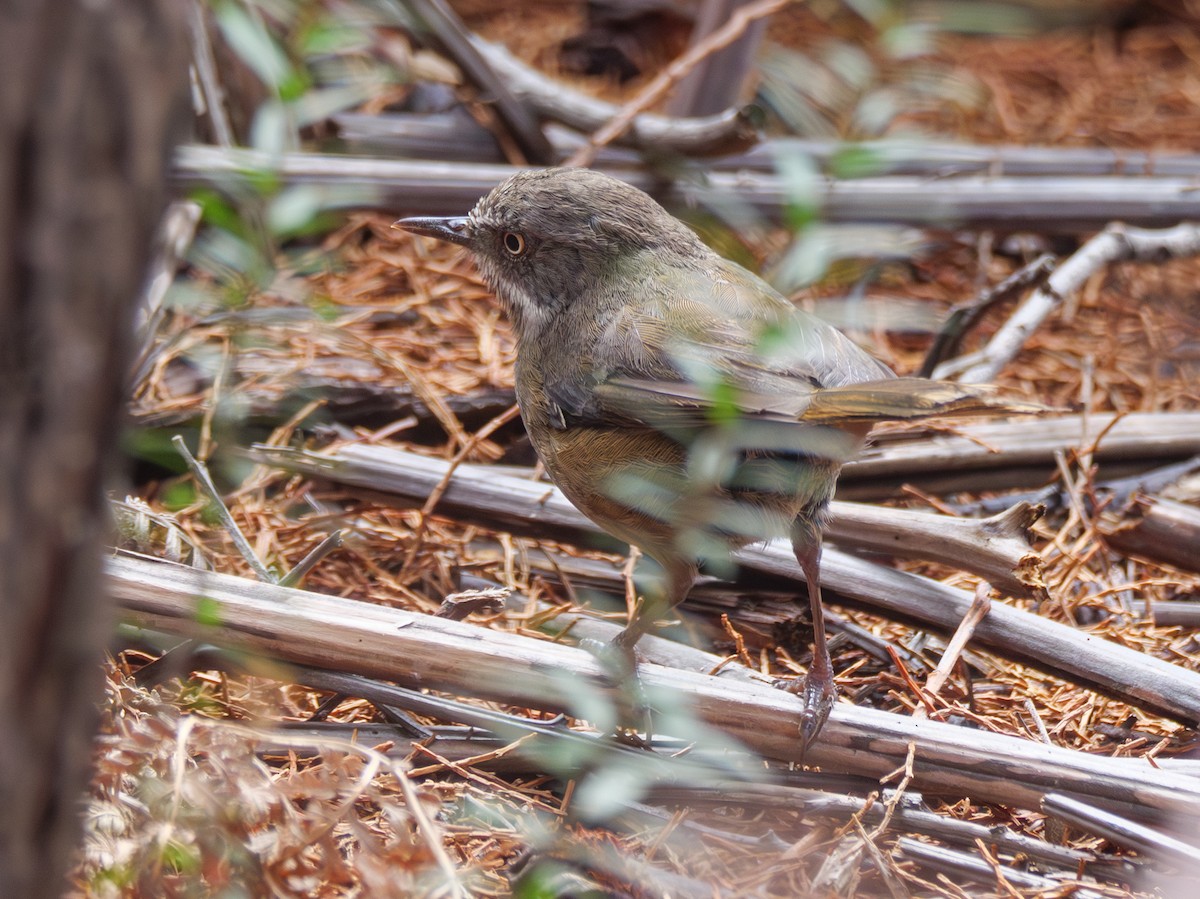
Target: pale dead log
<point>943,159</point>
<point>427,652</point>
<point>1128,834</point>
<point>1161,530</point>
<point>204,65</point>
<point>1118,671</point>
<point>530,506</point>
<point>176,231</point>
<point>731,30</point>
<point>1115,243</point>
<point>445,28</point>
<point>719,133</point>
<point>958,865</point>
<point>718,82</point>
<point>996,548</point>
<point>1020,446</point>
<point>909,816</point>
<point>415,187</point>
<point>455,135</point>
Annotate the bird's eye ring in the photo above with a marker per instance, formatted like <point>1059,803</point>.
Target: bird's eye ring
<point>514,243</point>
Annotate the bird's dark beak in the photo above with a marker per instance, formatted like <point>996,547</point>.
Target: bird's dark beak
<point>455,230</point>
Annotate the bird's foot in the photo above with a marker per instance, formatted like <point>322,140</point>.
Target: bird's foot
<point>633,712</point>
<point>817,694</point>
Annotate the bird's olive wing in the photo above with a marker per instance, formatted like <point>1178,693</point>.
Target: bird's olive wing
<point>708,345</point>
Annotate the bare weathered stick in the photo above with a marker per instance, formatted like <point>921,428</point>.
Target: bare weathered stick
<point>1158,529</point>
<point>718,82</point>
<point>1115,670</point>
<point>953,862</point>
<point>430,652</point>
<point>444,188</point>
<point>1131,835</point>
<point>455,135</point>
<point>205,482</point>
<point>973,447</point>
<point>908,817</point>
<point>942,159</point>
<point>205,66</point>
<point>996,548</point>
<point>722,37</point>
<point>963,317</point>
<point>724,132</point>
<point>445,27</point>
<point>980,606</point>
<point>176,231</point>
<point>533,507</point>
<point>1113,244</point>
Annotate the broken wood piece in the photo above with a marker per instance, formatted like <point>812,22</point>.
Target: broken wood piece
<point>1157,529</point>
<point>531,507</point>
<point>443,25</point>
<point>995,548</point>
<point>1019,447</point>
<point>1115,243</point>
<point>418,187</point>
<point>720,133</point>
<point>428,652</point>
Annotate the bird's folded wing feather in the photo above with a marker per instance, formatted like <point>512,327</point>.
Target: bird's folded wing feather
<point>722,345</point>
<point>683,404</point>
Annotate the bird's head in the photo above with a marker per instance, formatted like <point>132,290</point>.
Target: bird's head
<point>547,238</point>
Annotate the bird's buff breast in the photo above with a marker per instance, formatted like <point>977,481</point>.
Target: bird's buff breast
<point>635,485</point>
<point>598,470</point>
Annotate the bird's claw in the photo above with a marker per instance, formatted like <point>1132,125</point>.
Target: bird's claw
<point>619,664</point>
<point>817,696</point>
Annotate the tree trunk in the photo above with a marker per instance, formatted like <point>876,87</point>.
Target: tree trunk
<point>91,97</point>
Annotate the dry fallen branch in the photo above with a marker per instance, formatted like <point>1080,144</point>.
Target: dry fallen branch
<point>1158,529</point>
<point>445,188</point>
<point>741,19</point>
<point>444,26</point>
<point>724,132</point>
<point>1156,845</point>
<point>1020,447</point>
<point>996,548</point>
<point>429,652</point>
<point>528,506</point>
<point>1115,243</point>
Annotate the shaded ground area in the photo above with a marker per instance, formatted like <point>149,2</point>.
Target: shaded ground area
<point>408,349</point>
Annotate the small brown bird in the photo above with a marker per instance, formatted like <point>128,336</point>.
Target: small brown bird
<point>678,400</point>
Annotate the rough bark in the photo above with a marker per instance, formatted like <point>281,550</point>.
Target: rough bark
<point>90,98</point>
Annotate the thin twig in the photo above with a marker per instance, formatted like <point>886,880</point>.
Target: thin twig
<point>318,552</point>
<point>436,494</point>
<point>204,479</point>
<point>1115,243</point>
<point>206,73</point>
<point>672,74</point>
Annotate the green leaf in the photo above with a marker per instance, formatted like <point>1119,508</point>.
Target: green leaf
<point>179,495</point>
<point>607,791</point>
<point>251,42</point>
<point>208,612</point>
<point>801,184</point>
<point>724,409</point>
<point>855,161</point>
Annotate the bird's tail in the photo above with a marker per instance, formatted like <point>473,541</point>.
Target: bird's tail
<point>906,399</point>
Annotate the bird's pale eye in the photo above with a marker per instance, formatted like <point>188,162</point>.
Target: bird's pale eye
<point>514,243</point>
